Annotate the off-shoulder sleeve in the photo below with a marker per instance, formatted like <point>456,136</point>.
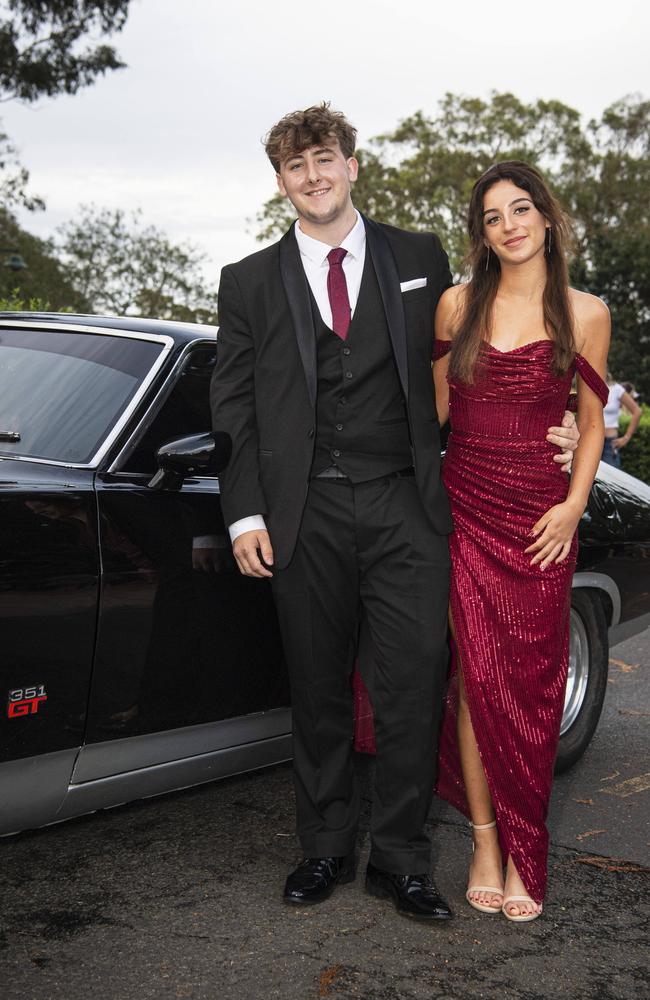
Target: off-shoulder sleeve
<point>440,348</point>
<point>592,379</point>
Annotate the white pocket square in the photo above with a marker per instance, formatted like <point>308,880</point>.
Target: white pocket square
<point>408,286</point>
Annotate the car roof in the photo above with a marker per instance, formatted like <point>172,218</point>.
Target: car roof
<point>181,333</point>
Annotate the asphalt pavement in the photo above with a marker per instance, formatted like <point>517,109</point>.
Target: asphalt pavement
<point>179,897</point>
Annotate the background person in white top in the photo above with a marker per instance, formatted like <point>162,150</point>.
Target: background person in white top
<point>618,400</point>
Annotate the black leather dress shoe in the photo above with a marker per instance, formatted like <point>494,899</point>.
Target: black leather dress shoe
<point>413,895</point>
<point>315,879</point>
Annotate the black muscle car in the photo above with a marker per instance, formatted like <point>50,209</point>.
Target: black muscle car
<point>135,659</point>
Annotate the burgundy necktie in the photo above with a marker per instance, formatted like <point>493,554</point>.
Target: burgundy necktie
<point>337,290</point>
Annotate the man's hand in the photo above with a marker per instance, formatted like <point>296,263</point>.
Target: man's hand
<point>565,437</point>
<point>247,549</point>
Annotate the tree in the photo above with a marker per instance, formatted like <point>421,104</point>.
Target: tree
<point>15,303</point>
<point>124,268</point>
<point>613,214</point>
<point>44,279</point>
<point>39,46</point>
<point>14,178</point>
<point>40,56</point>
<point>420,177</point>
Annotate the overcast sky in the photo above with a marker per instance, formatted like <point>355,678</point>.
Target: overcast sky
<point>178,132</point>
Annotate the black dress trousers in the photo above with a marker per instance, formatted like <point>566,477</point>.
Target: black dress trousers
<point>366,553</point>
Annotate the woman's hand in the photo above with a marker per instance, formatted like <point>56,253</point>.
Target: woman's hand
<point>619,443</point>
<point>553,534</point>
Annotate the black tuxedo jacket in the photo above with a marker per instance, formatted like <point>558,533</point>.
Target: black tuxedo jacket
<point>263,389</point>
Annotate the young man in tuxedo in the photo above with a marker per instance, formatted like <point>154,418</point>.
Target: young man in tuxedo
<point>323,381</point>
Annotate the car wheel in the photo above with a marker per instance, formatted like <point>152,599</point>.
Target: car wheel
<point>587,678</point>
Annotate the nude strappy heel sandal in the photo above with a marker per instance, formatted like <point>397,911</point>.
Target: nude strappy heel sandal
<point>485,888</point>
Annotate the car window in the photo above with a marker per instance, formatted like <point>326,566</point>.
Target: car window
<point>185,410</point>
<point>62,392</point>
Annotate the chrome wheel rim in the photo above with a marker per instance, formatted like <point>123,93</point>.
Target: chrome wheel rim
<point>578,677</point>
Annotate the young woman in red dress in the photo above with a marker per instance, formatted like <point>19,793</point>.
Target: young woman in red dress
<point>508,343</point>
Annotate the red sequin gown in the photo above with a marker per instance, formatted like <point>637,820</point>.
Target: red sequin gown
<point>511,619</point>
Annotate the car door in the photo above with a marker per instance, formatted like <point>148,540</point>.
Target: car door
<point>187,648</point>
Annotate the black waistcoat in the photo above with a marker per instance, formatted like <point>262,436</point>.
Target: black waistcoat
<point>361,422</point>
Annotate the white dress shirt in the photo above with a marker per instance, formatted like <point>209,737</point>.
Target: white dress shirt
<point>313,255</point>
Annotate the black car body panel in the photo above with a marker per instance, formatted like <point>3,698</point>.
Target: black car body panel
<point>49,586</point>
<point>615,545</point>
<point>136,658</point>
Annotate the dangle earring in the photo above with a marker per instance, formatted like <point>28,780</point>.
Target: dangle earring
<point>487,257</point>
<point>550,241</point>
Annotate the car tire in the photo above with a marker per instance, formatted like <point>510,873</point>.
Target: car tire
<point>587,680</point>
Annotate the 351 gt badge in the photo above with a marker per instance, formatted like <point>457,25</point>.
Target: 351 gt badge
<point>25,701</point>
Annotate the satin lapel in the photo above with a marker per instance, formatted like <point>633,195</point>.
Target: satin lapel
<point>297,289</point>
<point>388,279</point>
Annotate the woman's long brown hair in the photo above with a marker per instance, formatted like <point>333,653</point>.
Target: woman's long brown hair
<point>474,321</point>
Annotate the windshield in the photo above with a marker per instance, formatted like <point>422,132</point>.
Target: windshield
<point>62,392</point>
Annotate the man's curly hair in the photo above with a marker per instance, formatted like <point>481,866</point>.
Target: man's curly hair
<point>314,126</point>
